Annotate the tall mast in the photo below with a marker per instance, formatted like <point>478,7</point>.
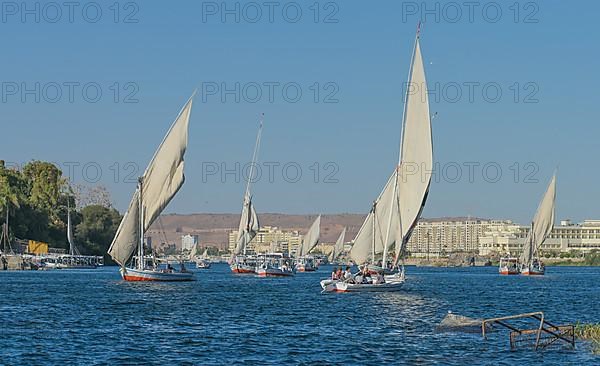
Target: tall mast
<point>387,234</point>
<point>255,154</point>
<point>373,242</point>
<point>141,244</point>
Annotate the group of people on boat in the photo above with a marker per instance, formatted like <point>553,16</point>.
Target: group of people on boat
<point>340,275</point>
<point>364,276</point>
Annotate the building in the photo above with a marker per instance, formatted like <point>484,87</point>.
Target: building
<point>269,239</point>
<point>440,237</point>
<point>188,242</point>
<point>437,238</point>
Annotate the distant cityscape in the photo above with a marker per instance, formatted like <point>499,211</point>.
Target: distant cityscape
<point>431,238</point>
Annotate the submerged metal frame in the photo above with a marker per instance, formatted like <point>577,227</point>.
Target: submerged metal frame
<point>556,331</point>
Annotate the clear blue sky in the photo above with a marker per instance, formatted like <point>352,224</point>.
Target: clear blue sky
<point>175,48</point>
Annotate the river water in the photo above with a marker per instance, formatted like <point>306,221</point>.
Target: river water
<point>94,318</point>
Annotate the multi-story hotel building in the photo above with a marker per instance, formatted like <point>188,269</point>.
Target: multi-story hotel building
<point>269,239</point>
<point>484,237</point>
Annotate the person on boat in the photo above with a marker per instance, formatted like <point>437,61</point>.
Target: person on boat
<point>338,273</point>
<point>347,273</point>
<point>169,268</point>
<point>334,275</point>
<point>366,275</point>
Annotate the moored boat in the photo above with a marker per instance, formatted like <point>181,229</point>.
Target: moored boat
<point>508,266</point>
<point>160,182</point>
<point>243,265</point>
<point>274,265</point>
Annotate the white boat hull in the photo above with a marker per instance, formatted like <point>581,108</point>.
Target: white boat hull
<point>274,272</point>
<point>369,287</point>
<point>130,274</point>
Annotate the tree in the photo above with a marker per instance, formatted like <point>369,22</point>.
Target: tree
<point>97,227</point>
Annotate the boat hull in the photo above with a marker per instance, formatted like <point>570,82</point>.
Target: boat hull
<point>303,268</point>
<point>274,272</point>
<point>136,275</point>
<point>507,271</point>
<point>242,269</point>
<point>369,287</point>
<point>533,271</point>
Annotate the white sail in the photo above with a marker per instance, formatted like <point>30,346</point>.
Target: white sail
<point>127,237</point>
<point>194,251</point>
<point>416,156</point>
<point>338,248</point>
<point>373,231</point>
<point>399,206</point>
<point>542,224</point>
<point>164,175</point>
<point>249,226</point>
<point>205,254</point>
<point>159,184</point>
<point>311,239</point>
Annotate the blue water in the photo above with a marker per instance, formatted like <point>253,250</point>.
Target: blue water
<point>94,318</point>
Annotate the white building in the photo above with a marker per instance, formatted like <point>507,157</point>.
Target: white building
<point>441,237</point>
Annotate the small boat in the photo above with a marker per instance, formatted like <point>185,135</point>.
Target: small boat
<point>306,264</point>
<point>541,226</point>
<point>160,182</point>
<point>243,264</point>
<point>536,268</point>
<point>274,265</point>
<point>202,264</point>
<point>240,262</point>
<point>508,266</point>
<point>202,261</point>
<point>304,261</point>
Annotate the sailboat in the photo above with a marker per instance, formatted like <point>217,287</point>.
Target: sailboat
<point>338,248</point>
<point>240,261</point>
<point>158,185</point>
<point>304,261</point>
<point>202,261</point>
<point>396,211</point>
<point>541,226</point>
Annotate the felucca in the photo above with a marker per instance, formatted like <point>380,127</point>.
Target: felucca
<point>396,211</point>
<point>304,261</point>
<point>240,261</point>
<point>338,248</point>
<point>156,188</point>
<point>541,226</point>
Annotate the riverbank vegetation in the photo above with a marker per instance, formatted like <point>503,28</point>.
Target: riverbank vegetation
<point>590,333</point>
<point>37,197</point>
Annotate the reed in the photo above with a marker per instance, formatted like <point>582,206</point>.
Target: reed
<point>589,332</point>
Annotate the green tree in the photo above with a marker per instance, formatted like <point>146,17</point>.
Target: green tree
<point>96,229</point>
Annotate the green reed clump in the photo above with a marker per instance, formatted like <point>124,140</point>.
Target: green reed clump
<point>589,332</point>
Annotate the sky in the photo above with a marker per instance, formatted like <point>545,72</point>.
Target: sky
<point>94,86</point>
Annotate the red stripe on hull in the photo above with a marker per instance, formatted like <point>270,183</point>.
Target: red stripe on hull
<point>242,271</point>
<point>532,273</point>
<point>508,273</point>
<point>147,279</point>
